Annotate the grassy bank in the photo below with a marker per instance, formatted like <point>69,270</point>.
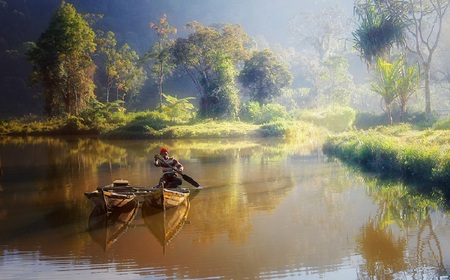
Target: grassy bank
<point>398,150</point>
<point>151,125</point>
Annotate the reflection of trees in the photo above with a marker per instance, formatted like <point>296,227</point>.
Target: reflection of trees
<point>382,253</point>
<point>405,207</point>
<point>55,171</point>
<point>210,148</point>
<point>60,170</point>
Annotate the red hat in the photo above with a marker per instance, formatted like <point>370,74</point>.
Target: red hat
<point>163,150</point>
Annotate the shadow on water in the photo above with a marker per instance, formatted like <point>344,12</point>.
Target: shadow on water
<point>267,203</point>
<point>406,205</point>
<point>106,227</point>
<point>165,225</point>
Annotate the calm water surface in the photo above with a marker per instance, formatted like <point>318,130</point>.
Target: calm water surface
<point>268,209</point>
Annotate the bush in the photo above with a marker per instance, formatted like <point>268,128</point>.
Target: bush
<point>267,113</point>
<point>275,129</point>
<point>334,118</point>
<point>393,151</point>
<point>442,125</point>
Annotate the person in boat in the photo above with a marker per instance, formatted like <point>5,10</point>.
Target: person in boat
<point>170,168</point>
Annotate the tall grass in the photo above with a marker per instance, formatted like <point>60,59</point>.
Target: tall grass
<point>397,150</point>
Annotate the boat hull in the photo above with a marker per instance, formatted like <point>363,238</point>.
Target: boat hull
<point>116,195</point>
<point>166,198</point>
<point>110,200</point>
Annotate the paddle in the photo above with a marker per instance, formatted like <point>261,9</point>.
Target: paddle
<point>185,177</point>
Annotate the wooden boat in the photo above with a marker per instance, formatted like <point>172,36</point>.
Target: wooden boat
<point>106,227</point>
<point>116,195</point>
<point>166,198</point>
<point>165,225</point>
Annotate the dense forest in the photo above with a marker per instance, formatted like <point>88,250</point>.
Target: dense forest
<point>24,21</point>
<point>316,41</point>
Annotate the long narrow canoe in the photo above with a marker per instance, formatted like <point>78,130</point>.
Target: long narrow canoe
<point>116,195</point>
<point>163,198</point>
<point>110,200</point>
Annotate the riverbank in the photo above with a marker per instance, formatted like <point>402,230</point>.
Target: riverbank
<point>148,128</point>
<point>419,156</point>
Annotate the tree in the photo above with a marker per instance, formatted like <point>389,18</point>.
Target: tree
<point>330,80</point>
<point>264,75</point>
<point>161,53</point>
<point>131,76</point>
<point>424,22</point>
<point>178,110</point>
<point>209,56</point>
<point>323,67</point>
<point>385,84</point>
<point>378,31</point>
<point>420,22</point>
<point>395,80</point>
<point>122,68</point>
<point>323,31</point>
<point>107,46</point>
<point>62,63</point>
<point>407,84</point>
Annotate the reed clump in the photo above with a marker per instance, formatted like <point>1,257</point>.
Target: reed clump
<point>397,150</point>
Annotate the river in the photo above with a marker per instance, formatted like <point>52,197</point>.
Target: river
<point>267,209</point>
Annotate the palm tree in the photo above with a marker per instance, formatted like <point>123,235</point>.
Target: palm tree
<point>386,83</point>
<point>378,31</point>
<point>407,84</point>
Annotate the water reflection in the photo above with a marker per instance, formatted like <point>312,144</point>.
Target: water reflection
<point>165,225</point>
<point>383,240</point>
<point>106,227</point>
<point>269,209</point>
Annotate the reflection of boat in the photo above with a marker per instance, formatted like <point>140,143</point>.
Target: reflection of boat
<point>116,195</point>
<point>165,198</point>
<point>106,227</point>
<point>165,225</point>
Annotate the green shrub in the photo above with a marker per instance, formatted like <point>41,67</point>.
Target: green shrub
<point>442,125</point>
<point>334,118</point>
<point>388,150</point>
<point>267,113</point>
<point>275,129</point>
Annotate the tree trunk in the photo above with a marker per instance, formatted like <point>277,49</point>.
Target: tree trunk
<point>427,88</point>
<point>160,85</point>
<point>389,112</point>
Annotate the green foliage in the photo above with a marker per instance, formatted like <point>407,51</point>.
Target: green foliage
<point>212,129</point>
<point>29,124</point>
<point>386,83</point>
<point>442,125</point>
<point>420,120</point>
<point>141,125</point>
<point>378,31</point>
<point>264,75</point>
<point>209,55</point>
<point>73,125</point>
<point>407,84</point>
<point>221,98</point>
<point>366,120</point>
<point>104,116</point>
<point>179,110</point>
<point>333,118</point>
<point>297,131</point>
<point>333,81</point>
<point>62,62</point>
<point>274,129</point>
<point>160,54</point>
<point>255,113</point>
<point>395,150</point>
